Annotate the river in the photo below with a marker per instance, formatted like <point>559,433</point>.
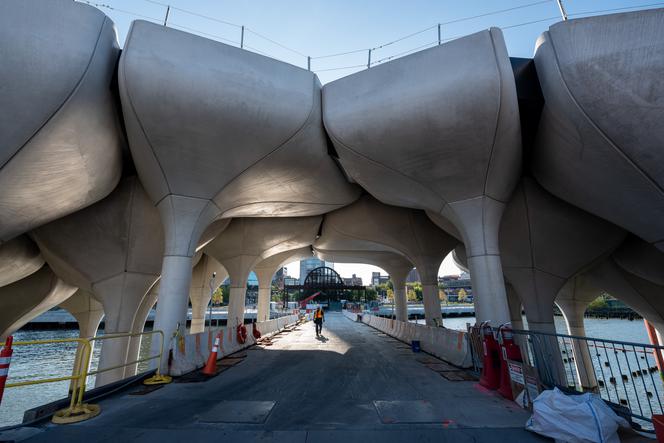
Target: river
<point>56,360</point>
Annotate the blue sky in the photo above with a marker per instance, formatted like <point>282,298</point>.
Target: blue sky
<point>317,28</point>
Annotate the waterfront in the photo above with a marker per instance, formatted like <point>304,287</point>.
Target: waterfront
<point>53,361</point>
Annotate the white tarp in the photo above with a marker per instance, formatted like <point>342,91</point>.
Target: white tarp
<point>574,418</point>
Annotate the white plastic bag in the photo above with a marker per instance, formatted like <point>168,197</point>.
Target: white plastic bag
<point>574,418</point>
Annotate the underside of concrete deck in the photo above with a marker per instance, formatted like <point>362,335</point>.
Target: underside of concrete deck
<point>353,384</point>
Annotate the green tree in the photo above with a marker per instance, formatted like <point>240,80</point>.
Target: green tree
<point>598,303</point>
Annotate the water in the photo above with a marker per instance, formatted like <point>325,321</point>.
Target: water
<point>30,362</point>
<point>45,361</point>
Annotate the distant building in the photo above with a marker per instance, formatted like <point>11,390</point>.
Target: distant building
<point>353,281</point>
<point>291,281</point>
<point>377,279</point>
<point>309,264</point>
<point>413,276</point>
<point>457,287</point>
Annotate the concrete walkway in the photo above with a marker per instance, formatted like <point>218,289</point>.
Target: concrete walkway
<point>353,385</point>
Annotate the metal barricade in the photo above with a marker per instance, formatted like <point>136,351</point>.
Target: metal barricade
<point>78,410</point>
<point>624,374</point>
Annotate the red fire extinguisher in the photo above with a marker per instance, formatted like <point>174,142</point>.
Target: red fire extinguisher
<point>5,359</point>
<point>490,377</point>
<point>509,351</point>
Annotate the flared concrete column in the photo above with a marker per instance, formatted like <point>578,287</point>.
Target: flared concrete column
<point>400,296</point>
<point>573,311</point>
<point>207,276</point>
<point>138,324</point>
<point>540,319</point>
<point>264,276</point>
<point>121,297</point>
<point>263,307</point>
<point>30,297</point>
<point>236,305</point>
<point>184,220</point>
<point>515,307</point>
<point>478,221</point>
<point>432,311</point>
<point>88,312</point>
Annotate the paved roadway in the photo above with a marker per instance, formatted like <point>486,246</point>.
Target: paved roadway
<point>354,385</point>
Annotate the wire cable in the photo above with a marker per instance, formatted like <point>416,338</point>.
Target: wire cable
<point>274,42</point>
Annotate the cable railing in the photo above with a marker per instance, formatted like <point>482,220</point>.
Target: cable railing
<point>624,374</point>
<point>431,36</point>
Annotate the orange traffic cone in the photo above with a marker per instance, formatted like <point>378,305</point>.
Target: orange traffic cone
<point>211,365</point>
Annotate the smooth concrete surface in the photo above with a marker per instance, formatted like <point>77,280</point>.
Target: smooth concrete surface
<point>247,241</point>
<point>265,270</point>
<point>113,249</point>
<point>600,135</point>
<point>60,138</point>
<point>369,225</point>
<point>544,242</point>
<point>88,312</point>
<point>641,295</point>
<point>216,131</point>
<point>326,390</point>
<point>572,300</point>
<point>202,286</point>
<point>27,298</point>
<point>438,130</point>
<point>19,258</point>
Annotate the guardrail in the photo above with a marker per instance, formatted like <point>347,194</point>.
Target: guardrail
<point>78,410</point>
<point>624,374</point>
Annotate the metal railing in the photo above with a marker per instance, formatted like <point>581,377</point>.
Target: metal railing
<point>77,410</point>
<point>624,374</point>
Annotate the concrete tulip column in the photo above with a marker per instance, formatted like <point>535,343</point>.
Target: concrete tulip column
<point>265,270</point>
<point>248,241</point>
<point>416,134</point>
<point>398,279</point>
<point>199,292</point>
<point>599,139</point>
<point>572,300</point>
<point>216,132</point>
<point>88,312</point>
<point>30,297</point>
<point>334,248</point>
<point>374,227</point>
<point>515,307</point>
<point>112,249</point>
<point>19,258</point>
<point>60,140</point>
<point>545,242</point>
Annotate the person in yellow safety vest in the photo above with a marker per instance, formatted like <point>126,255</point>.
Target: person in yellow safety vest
<point>319,318</point>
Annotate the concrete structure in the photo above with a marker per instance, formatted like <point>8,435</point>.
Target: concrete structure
<point>27,298</point>
<point>247,241</point>
<point>265,270</point>
<point>598,143</point>
<point>544,243</point>
<point>444,140</point>
<point>19,258</point>
<point>572,300</point>
<point>202,285</point>
<point>371,226</point>
<point>235,172</point>
<point>112,249</point>
<point>220,132</point>
<point>60,141</point>
<point>396,265</point>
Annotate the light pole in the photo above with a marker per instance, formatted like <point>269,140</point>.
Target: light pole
<point>214,275</point>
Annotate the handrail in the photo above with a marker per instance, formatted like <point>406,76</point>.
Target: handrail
<point>77,410</point>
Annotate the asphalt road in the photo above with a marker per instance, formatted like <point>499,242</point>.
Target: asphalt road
<point>353,385</point>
